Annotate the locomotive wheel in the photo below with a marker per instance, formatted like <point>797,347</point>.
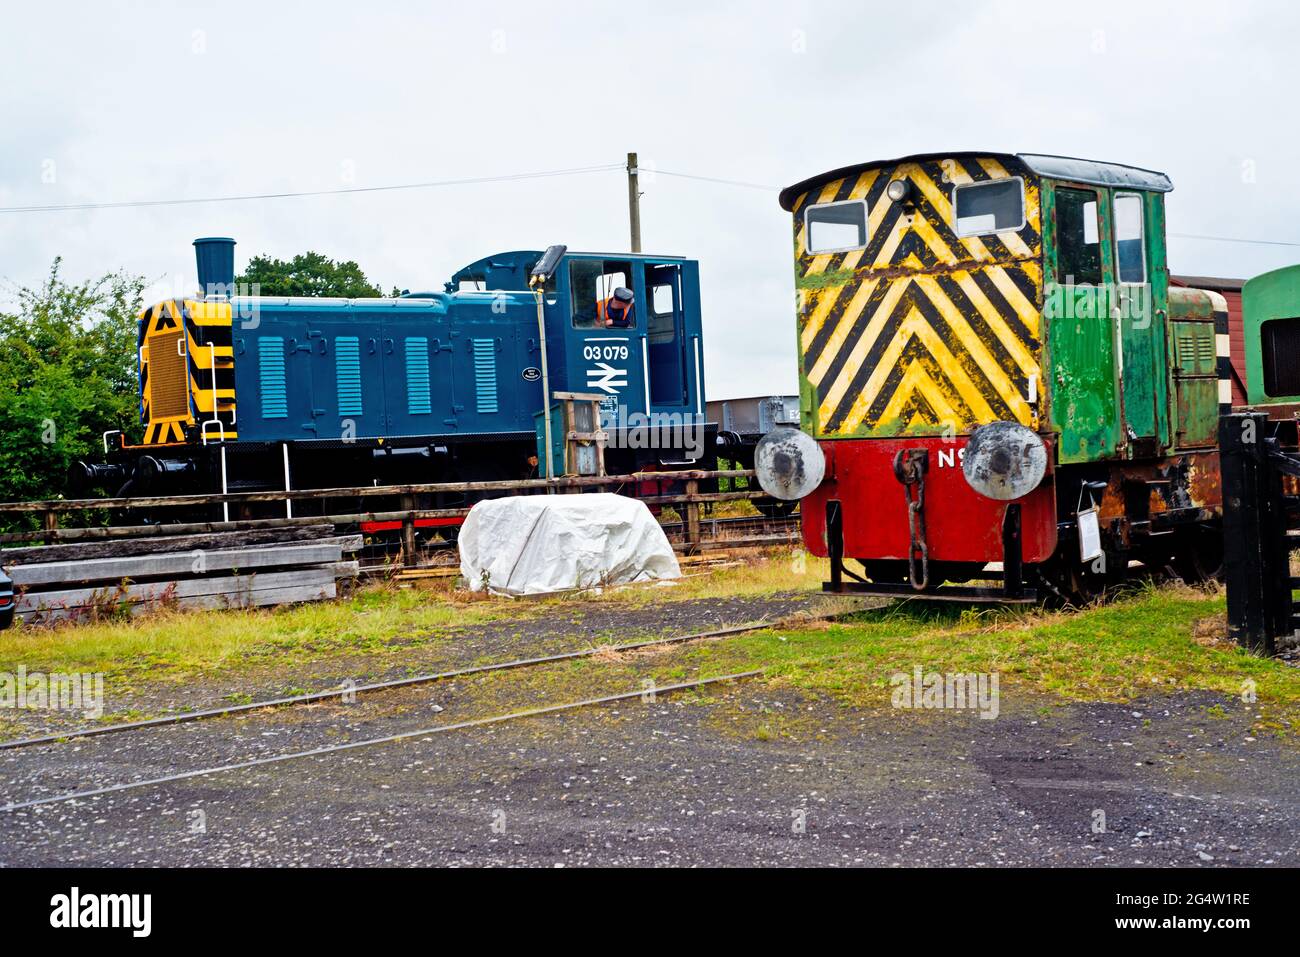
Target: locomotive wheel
<point>1068,582</point>
<point>1199,558</point>
<point>1065,585</point>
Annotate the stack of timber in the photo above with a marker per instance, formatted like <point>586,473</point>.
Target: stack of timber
<point>245,569</point>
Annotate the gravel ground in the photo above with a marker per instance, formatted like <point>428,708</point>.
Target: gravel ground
<point>745,774</point>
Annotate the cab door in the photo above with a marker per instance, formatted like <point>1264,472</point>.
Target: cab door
<point>666,342</point>
<point>599,359</point>
<point>1139,315</point>
<point>1082,340</point>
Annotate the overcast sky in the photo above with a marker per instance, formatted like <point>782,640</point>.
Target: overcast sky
<point>103,102</point>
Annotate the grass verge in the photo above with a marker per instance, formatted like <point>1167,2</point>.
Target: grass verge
<point>1157,638</point>
<point>175,645</point>
<point>178,644</point>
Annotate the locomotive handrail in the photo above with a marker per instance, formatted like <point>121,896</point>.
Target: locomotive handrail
<point>1284,462</point>
<point>218,423</point>
<point>367,491</point>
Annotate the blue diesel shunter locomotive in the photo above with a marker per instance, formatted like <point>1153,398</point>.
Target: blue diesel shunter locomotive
<point>243,393</point>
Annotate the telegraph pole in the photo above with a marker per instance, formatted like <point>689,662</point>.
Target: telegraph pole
<point>633,202</point>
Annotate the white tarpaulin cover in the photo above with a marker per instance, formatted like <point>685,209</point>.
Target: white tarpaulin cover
<point>534,544</point>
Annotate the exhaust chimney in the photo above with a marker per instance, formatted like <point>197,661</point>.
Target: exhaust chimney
<point>216,262</point>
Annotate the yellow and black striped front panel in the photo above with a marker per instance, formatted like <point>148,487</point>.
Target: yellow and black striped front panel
<point>920,331</point>
<point>187,370</point>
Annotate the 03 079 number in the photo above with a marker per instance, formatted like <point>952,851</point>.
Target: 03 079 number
<point>604,352</point>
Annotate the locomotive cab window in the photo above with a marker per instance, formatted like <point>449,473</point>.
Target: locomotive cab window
<point>661,290</point>
<point>1130,250</point>
<point>1078,237</point>
<point>601,294</point>
<point>1280,341</point>
<point>835,227</point>
<point>996,206</point>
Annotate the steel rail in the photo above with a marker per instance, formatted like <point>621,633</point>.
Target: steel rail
<point>386,739</point>
<point>313,696</point>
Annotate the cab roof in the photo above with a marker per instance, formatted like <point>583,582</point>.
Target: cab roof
<point>1093,172</point>
<point>509,270</point>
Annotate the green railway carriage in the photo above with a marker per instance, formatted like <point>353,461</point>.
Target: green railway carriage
<point>1271,305</point>
<point>942,294</point>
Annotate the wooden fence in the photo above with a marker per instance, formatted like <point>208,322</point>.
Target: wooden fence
<point>320,502</point>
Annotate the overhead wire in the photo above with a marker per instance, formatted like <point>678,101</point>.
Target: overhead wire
<point>432,184</point>
<point>482,180</point>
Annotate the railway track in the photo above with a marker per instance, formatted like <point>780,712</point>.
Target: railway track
<point>294,700</point>
<point>311,697</point>
<point>372,742</point>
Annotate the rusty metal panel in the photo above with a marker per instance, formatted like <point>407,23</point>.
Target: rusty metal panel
<point>1197,411</point>
<point>1181,485</point>
<point>1195,358</point>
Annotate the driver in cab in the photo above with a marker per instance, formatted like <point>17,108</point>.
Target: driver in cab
<point>616,311</point>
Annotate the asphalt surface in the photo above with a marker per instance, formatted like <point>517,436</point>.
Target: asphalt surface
<point>745,774</point>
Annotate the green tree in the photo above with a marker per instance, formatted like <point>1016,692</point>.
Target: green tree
<point>67,375</point>
<point>307,274</point>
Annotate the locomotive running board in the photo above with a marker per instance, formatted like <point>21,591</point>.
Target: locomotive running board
<point>955,593</point>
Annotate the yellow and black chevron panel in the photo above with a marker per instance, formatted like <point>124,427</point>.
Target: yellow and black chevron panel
<point>164,433</point>
<point>187,370</point>
<point>920,331</point>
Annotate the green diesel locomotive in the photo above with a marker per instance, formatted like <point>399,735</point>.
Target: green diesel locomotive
<point>996,368</point>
